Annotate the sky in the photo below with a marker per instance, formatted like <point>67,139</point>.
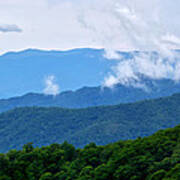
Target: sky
<point>115,25</point>
<point>66,24</point>
<point>41,24</point>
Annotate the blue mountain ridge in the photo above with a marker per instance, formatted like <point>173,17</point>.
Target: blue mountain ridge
<point>94,96</point>
<point>25,71</point>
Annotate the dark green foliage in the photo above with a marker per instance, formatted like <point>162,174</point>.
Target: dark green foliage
<point>102,125</point>
<point>151,158</point>
<point>158,175</point>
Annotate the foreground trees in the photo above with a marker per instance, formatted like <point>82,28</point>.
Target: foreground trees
<point>152,158</point>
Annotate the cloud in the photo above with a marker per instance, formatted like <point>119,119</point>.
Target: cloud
<point>9,28</point>
<point>51,87</point>
<point>137,25</point>
<point>128,25</point>
<point>133,70</point>
<point>48,25</point>
<point>110,24</point>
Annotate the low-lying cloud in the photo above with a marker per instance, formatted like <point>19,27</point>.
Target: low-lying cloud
<point>51,87</point>
<point>144,26</point>
<point>129,71</point>
<point>10,28</point>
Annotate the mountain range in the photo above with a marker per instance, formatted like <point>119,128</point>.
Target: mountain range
<point>94,96</point>
<point>26,71</point>
<point>102,125</point>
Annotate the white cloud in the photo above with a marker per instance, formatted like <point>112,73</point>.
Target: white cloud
<point>112,24</point>
<point>129,71</point>
<point>46,25</point>
<point>51,87</point>
<point>130,24</point>
<point>138,25</point>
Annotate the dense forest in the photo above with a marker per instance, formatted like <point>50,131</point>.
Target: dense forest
<point>95,96</point>
<point>151,158</point>
<point>101,125</point>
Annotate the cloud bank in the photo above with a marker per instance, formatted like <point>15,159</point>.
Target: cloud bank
<point>110,24</point>
<point>51,88</point>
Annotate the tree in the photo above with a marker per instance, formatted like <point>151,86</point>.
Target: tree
<point>46,176</point>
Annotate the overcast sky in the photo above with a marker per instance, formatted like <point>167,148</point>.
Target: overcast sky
<point>64,24</point>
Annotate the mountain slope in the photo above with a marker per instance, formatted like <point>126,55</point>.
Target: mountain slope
<point>101,125</point>
<point>151,158</point>
<point>94,96</point>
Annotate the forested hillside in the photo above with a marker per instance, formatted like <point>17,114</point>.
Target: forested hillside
<point>95,96</point>
<point>152,158</point>
<point>101,125</point>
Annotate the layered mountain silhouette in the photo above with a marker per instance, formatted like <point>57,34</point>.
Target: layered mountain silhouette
<point>25,71</point>
<point>94,96</point>
<point>102,125</point>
